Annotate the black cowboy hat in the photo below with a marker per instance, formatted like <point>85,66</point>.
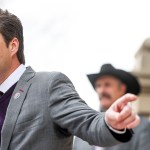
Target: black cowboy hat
<point>127,78</point>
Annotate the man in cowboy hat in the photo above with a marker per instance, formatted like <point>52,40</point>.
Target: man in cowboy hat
<point>111,83</point>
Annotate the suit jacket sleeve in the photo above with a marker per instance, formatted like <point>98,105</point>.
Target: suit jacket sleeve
<point>70,112</point>
<point>143,135</point>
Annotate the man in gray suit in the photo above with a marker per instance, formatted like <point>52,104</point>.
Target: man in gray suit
<point>111,83</point>
<point>42,110</point>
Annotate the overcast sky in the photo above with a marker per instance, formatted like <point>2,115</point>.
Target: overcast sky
<point>77,37</point>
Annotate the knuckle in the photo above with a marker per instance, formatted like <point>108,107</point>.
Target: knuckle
<point>127,110</point>
<point>138,119</point>
<point>133,114</point>
<point>120,117</point>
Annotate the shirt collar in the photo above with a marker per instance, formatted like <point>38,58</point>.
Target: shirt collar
<point>13,78</point>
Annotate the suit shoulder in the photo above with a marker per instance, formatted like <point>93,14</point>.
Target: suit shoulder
<point>145,124</point>
<point>144,120</point>
<point>52,75</point>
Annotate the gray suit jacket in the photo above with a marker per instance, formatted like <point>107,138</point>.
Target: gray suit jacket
<point>140,140</point>
<point>45,111</point>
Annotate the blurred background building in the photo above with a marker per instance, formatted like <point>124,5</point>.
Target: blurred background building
<point>142,71</point>
<point>77,37</point>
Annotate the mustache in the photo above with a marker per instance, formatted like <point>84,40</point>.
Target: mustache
<point>104,95</point>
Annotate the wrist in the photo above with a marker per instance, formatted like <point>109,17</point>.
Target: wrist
<point>118,131</point>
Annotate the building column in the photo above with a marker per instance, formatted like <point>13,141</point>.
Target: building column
<point>142,71</point>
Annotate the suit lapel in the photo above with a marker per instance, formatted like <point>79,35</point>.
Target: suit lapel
<point>14,107</point>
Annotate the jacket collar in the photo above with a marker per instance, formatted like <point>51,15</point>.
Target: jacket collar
<point>15,106</point>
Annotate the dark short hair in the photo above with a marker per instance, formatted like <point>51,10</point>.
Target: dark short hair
<point>11,27</point>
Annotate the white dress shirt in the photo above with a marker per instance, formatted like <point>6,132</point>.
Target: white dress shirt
<point>13,78</point>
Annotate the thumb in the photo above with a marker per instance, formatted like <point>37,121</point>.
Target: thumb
<point>123,101</point>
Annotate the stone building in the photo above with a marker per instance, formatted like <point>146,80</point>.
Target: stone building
<point>142,71</point>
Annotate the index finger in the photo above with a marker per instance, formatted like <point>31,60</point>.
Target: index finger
<point>124,100</point>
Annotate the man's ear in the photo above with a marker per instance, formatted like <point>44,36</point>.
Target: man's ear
<point>14,46</point>
<point>123,88</point>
